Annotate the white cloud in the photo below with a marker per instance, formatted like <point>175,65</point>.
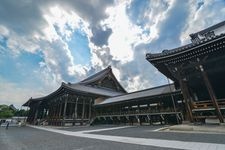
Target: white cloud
<point>203,17</point>
<point>4,31</point>
<point>115,38</point>
<point>17,94</point>
<point>127,45</point>
<point>125,34</point>
<point>135,82</point>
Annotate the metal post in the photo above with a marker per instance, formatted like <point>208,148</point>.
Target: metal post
<point>211,93</point>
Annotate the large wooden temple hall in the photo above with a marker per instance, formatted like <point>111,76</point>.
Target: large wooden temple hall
<point>197,94</point>
<point>198,70</point>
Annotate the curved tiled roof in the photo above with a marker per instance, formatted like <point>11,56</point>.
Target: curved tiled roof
<point>101,75</point>
<point>182,49</point>
<point>92,90</point>
<point>96,76</point>
<point>191,46</point>
<point>84,87</point>
<point>160,90</point>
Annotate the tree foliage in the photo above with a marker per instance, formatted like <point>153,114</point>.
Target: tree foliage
<point>5,111</point>
<point>21,112</point>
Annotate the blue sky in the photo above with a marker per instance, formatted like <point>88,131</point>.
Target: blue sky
<point>44,43</point>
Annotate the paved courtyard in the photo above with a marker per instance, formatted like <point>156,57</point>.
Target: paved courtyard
<point>106,138</point>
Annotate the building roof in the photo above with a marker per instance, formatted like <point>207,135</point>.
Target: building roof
<point>33,100</point>
<point>182,49</point>
<point>100,76</point>
<point>84,87</point>
<point>211,28</point>
<point>96,76</point>
<point>92,90</point>
<point>12,107</point>
<point>152,92</point>
<point>191,46</point>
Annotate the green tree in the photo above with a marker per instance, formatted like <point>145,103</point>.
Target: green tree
<point>21,112</point>
<point>5,111</point>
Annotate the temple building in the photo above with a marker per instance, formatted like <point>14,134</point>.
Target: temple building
<point>163,104</point>
<point>101,99</point>
<point>198,70</point>
<point>197,94</point>
<point>73,103</point>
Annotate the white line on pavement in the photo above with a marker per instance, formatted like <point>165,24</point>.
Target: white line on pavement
<point>104,129</point>
<point>160,129</point>
<point>140,141</point>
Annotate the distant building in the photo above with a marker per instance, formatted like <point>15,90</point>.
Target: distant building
<point>12,107</point>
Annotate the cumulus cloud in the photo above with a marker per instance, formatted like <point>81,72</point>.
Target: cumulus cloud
<point>92,12</point>
<point>47,25</point>
<point>119,33</point>
<point>202,14</point>
<point>17,94</point>
<point>121,52</point>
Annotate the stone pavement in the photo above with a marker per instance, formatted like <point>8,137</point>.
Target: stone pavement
<point>220,129</point>
<point>174,144</point>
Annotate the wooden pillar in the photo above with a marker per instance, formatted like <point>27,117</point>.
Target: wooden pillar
<point>83,109</point>
<point>71,111</point>
<point>55,110</point>
<point>186,99</point>
<point>60,110</point>
<point>138,106</point>
<point>36,112</point>
<point>185,94</point>
<point>75,111</point>
<point>90,105</point>
<point>83,112</point>
<point>150,120</point>
<point>35,115</point>
<point>64,111</point>
<point>173,101</point>
<point>43,113</point>
<point>211,93</point>
<point>149,108</point>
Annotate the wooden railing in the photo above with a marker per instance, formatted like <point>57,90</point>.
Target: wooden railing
<point>208,104</point>
<point>136,112</point>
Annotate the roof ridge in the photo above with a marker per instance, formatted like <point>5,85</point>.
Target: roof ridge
<point>184,47</point>
<point>152,88</point>
<point>209,28</point>
<point>96,75</point>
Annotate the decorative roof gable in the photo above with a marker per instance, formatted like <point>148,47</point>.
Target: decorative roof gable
<point>104,79</point>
